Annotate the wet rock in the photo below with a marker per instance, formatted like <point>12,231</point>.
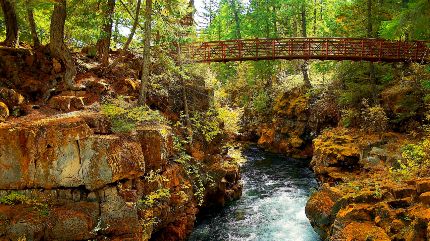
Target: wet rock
<point>320,209</point>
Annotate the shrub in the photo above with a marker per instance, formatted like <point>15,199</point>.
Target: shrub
<point>261,102</point>
<point>231,118</point>
<point>14,198</point>
<point>373,118</point>
<point>325,108</point>
<point>154,198</point>
<point>355,93</point>
<point>205,124</point>
<point>125,117</point>
<point>349,118</point>
<point>415,159</point>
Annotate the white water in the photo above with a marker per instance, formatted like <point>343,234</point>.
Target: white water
<point>272,207</point>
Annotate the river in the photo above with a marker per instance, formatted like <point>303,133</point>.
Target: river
<point>272,207</point>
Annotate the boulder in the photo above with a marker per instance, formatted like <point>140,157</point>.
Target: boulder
<point>4,111</point>
<point>67,103</point>
<point>74,221</point>
<point>425,198</point>
<point>117,218</point>
<point>423,185</point>
<point>157,146</point>
<point>11,98</point>
<point>62,152</point>
<point>360,231</point>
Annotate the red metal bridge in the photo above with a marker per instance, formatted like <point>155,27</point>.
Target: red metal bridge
<point>375,50</point>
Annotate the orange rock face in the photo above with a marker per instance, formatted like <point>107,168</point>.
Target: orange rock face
<point>68,178</point>
<point>360,199</point>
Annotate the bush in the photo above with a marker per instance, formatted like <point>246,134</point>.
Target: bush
<point>125,117</point>
<point>231,118</point>
<point>205,124</point>
<point>349,118</point>
<point>14,198</point>
<point>261,102</point>
<point>325,109</point>
<point>373,118</point>
<point>415,161</point>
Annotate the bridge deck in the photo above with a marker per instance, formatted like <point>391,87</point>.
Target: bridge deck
<point>374,50</point>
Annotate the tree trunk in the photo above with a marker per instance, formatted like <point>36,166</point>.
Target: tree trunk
<point>135,23</point>
<point>12,32</point>
<point>103,44</point>
<point>369,19</point>
<point>57,47</point>
<point>235,9</point>
<point>304,66</point>
<point>32,23</point>
<point>370,35</point>
<point>275,22</point>
<point>146,52</point>
<point>315,18</point>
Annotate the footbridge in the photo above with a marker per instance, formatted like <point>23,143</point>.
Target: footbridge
<point>356,49</point>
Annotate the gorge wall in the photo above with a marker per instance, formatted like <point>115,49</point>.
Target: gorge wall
<point>67,177</point>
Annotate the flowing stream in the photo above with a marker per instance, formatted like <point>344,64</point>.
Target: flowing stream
<point>272,207</point>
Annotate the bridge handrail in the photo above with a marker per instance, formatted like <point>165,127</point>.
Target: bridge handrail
<point>370,49</point>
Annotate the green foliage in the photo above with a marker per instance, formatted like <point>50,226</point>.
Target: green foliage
<point>125,117</point>
<point>14,198</point>
<point>349,118</point>
<point>415,158</point>
<point>261,102</point>
<point>231,118</point>
<point>426,84</point>
<point>155,198</point>
<point>234,152</point>
<point>205,124</point>
<point>373,118</point>
<point>194,170</point>
<point>355,93</point>
<point>160,195</point>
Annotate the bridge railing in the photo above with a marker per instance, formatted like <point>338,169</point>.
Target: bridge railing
<point>309,48</point>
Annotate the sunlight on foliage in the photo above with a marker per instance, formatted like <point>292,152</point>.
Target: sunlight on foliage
<point>231,118</point>
<point>415,159</point>
<point>125,117</point>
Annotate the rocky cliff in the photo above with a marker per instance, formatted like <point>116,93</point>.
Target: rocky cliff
<point>364,196</point>
<point>67,177</point>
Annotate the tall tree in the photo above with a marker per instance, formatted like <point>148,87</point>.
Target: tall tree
<point>236,13</point>
<point>57,46</point>
<point>304,34</point>
<point>103,44</point>
<point>135,23</point>
<point>12,31</point>
<point>32,24</point>
<point>146,52</point>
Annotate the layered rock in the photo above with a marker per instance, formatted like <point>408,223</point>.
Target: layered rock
<point>359,199</point>
<point>67,177</point>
